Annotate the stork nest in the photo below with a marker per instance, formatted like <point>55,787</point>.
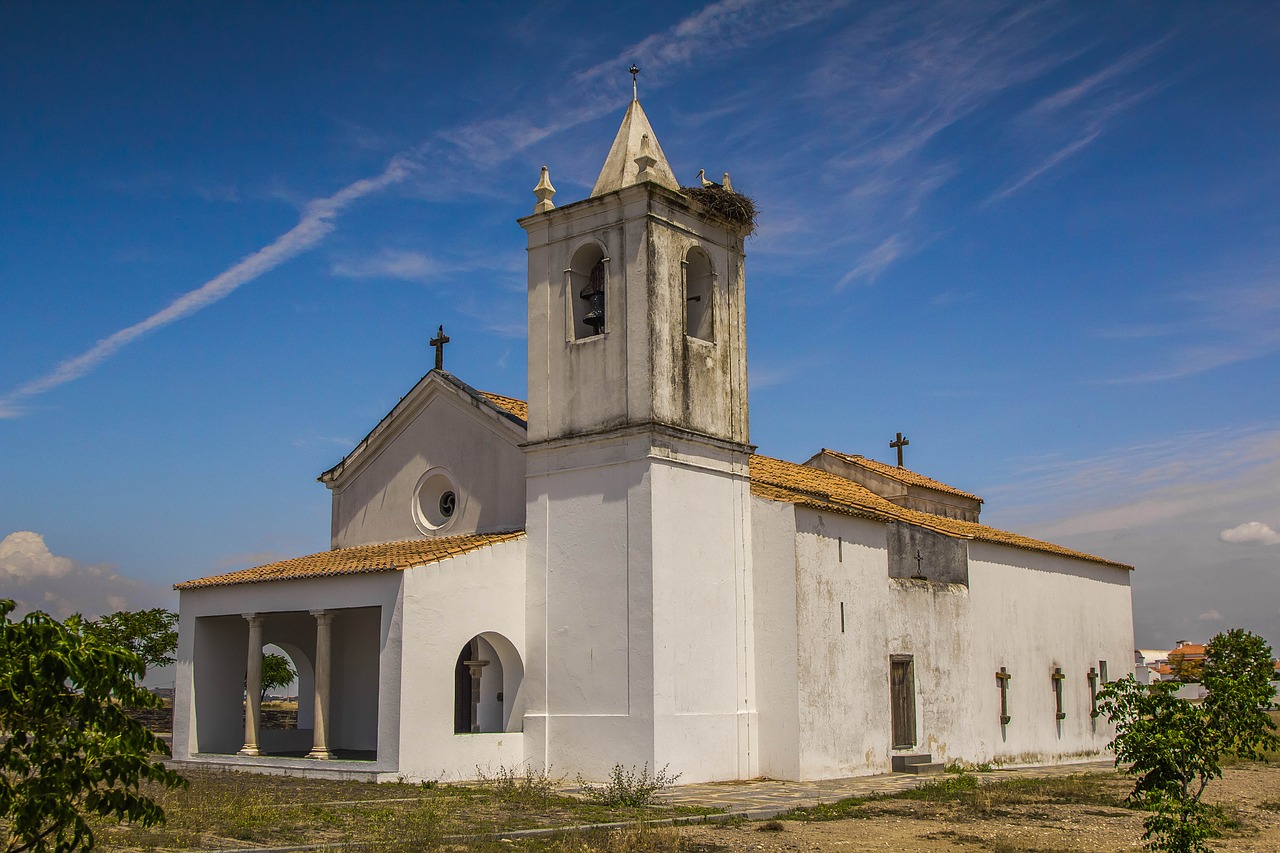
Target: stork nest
<point>735,207</point>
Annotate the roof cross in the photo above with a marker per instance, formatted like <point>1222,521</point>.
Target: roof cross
<point>438,342</point>
<point>898,444</point>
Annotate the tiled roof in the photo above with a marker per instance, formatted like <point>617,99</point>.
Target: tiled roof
<point>774,479</point>
<point>387,557</point>
<point>902,475</point>
<point>1189,650</point>
<point>510,405</point>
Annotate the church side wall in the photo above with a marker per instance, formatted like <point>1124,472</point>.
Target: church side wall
<point>487,467</point>
<point>446,604</point>
<point>1029,612</point>
<point>1037,612</point>
<point>773,534</point>
<point>845,719</point>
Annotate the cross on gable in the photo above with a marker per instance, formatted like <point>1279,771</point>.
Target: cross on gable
<point>899,443</point>
<point>438,342</point>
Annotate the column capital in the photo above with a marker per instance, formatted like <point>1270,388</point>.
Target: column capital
<point>254,618</point>
<point>322,615</point>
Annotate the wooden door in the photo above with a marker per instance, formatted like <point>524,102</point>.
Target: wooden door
<point>902,701</point>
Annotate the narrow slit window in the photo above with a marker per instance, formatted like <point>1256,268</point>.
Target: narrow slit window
<point>1058,678</point>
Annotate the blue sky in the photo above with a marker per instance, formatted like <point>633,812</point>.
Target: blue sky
<point>1042,240</point>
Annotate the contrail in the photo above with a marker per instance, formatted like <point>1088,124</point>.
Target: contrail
<point>316,222</point>
<point>728,25</point>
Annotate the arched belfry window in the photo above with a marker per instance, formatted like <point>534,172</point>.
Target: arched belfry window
<point>588,280</point>
<point>699,295</point>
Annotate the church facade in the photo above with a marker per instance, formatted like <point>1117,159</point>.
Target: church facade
<point>610,574</point>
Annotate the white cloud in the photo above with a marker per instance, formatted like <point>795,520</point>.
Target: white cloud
<point>38,579</point>
<point>1250,531</point>
<point>1210,616</point>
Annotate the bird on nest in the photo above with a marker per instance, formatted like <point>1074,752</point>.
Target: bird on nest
<point>707,183</point>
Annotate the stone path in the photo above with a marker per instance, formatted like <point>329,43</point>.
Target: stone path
<point>767,798</point>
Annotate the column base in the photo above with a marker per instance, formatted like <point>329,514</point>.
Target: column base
<point>320,754</point>
<point>249,750</point>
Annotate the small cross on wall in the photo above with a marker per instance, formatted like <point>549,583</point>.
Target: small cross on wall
<point>438,342</point>
<point>897,444</point>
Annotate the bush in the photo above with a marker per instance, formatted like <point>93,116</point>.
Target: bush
<point>627,787</point>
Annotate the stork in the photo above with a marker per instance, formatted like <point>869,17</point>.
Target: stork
<point>706,182</point>
<point>724,182</point>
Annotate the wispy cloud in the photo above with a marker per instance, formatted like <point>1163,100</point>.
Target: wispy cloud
<point>1215,327</point>
<point>317,221</point>
<point>712,31</point>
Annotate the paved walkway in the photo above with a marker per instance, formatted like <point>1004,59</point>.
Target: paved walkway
<point>767,798</point>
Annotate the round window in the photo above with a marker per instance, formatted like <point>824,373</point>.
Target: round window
<point>436,500</point>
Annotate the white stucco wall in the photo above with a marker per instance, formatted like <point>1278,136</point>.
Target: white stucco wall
<point>824,693</point>
<point>440,428</point>
<point>446,604</point>
<point>639,599</point>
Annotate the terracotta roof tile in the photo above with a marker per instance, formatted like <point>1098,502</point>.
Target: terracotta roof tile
<point>386,557</point>
<point>902,475</point>
<point>774,479</point>
<point>510,405</point>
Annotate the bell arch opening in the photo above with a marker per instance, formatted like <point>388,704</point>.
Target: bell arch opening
<point>588,278</point>
<point>486,681</point>
<point>699,295</point>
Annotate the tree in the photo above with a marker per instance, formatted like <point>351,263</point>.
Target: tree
<point>1185,668</point>
<point>276,672</point>
<point>1175,747</point>
<point>150,634</point>
<point>69,751</point>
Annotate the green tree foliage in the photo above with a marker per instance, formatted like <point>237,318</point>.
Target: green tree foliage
<point>68,750</point>
<point>276,672</point>
<point>150,634</point>
<point>1175,747</point>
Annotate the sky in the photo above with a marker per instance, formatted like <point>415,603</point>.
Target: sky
<point>1040,239</point>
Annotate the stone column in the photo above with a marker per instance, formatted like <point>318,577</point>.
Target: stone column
<point>477,669</point>
<point>253,685</point>
<point>320,739</point>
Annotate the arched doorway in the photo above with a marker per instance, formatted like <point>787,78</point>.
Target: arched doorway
<point>486,680</point>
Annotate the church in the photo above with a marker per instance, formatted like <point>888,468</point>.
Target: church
<point>608,573</point>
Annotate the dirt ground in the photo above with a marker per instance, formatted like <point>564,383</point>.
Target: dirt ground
<point>1250,795</point>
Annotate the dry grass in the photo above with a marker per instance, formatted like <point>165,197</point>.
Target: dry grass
<point>223,809</point>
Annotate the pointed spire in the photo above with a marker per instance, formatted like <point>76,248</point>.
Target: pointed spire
<point>635,141</point>
<point>543,193</point>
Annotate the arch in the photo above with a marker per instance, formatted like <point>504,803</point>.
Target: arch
<point>306,679</point>
<point>587,280</point>
<point>699,294</point>
<point>487,679</point>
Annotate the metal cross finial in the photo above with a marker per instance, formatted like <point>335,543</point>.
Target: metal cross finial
<point>899,443</point>
<point>634,71</point>
<point>438,342</point>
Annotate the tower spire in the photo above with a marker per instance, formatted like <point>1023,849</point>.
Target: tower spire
<point>621,168</point>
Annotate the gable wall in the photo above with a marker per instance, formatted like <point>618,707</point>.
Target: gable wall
<point>376,505</point>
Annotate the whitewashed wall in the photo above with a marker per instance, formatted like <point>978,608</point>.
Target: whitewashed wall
<point>446,604</point>
<point>824,693</point>
<point>439,428</point>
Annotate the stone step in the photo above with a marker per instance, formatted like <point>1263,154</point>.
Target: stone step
<point>931,769</point>
<point>919,765</point>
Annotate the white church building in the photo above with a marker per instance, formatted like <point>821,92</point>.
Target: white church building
<point>611,574</point>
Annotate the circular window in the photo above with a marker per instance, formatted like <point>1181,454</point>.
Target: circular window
<point>435,501</point>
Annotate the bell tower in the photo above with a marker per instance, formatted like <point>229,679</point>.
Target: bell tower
<point>638,502</point>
